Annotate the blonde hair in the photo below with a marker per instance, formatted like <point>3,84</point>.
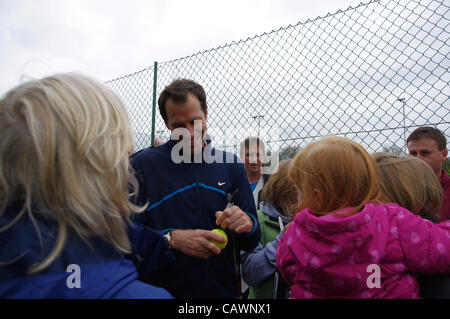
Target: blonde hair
<point>409,182</point>
<point>280,191</point>
<point>334,173</point>
<point>63,156</point>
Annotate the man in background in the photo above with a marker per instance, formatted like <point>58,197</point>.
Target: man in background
<point>430,145</point>
<point>252,152</point>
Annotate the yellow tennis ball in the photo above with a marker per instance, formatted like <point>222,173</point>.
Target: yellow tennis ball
<point>223,234</point>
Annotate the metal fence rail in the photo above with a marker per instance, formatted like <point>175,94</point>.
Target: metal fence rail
<point>372,73</point>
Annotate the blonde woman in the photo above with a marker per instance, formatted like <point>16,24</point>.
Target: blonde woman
<point>410,182</point>
<point>64,204</point>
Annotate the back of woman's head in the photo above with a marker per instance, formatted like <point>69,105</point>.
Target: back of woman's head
<point>409,182</point>
<point>63,156</point>
<point>334,173</point>
<point>280,191</point>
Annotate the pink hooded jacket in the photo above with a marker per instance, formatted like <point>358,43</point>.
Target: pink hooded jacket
<point>329,256</point>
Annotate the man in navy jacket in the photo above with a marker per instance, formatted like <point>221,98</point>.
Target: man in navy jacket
<point>187,184</point>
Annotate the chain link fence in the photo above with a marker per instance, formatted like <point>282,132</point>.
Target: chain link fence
<point>372,73</point>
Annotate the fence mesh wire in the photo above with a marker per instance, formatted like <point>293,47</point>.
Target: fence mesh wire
<point>372,73</point>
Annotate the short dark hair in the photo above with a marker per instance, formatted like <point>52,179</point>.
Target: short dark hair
<point>429,132</point>
<point>178,91</point>
<point>253,141</point>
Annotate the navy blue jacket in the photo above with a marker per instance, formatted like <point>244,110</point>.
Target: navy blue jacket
<point>187,196</point>
<point>104,271</point>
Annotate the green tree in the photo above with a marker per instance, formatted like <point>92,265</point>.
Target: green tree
<point>393,150</point>
<point>288,152</point>
<point>446,165</point>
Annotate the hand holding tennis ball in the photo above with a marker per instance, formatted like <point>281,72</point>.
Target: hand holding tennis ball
<point>235,220</point>
<point>223,234</point>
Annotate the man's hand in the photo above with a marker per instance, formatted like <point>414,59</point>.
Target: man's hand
<point>235,220</point>
<point>196,242</point>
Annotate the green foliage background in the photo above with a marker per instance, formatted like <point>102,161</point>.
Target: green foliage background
<point>447,165</point>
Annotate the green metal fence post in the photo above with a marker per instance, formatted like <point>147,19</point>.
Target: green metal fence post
<point>155,71</point>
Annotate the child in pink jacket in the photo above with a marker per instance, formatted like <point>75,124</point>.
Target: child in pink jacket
<point>344,243</point>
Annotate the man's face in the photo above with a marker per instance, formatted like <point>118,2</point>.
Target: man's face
<point>184,115</point>
<point>426,149</point>
<point>253,159</point>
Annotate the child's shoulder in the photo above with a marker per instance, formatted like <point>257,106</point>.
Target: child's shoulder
<point>387,208</point>
<point>390,211</point>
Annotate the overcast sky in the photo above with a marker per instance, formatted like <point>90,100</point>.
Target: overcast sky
<point>107,39</point>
